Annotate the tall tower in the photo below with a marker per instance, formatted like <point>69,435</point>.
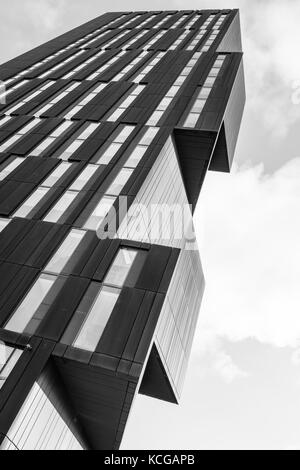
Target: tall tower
<point>106,134</point>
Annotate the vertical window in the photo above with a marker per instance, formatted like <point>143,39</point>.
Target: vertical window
<point>158,25</point>
<point>203,93</point>
<point>120,267</point>
<point>123,105</point>
<point>51,139</point>
<point>61,64</point>
<point>30,203</point>
<point>9,166</point>
<point>154,39</point>
<point>134,39</point>
<point>179,40</point>
<point>147,68</point>
<point>61,206</point>
<point>3,223</point>
<point>89,128</point>
<point>90,96</point>
<point>4,120</point>
<point>98,214</point>
<point>97,318</point>
<point>57,173</point>
<point>130,66</point>
<point>83,178</point>
<point>56,98</point>
<point>88,43</point>
<point>141,25</point>
<point>26,310</point>
<point>65,251</point>
<point>8,143</point>
<point>116,38</point>
<point>165,102</point>
<point>99,301</point>
<point>105,66</point>
<point>13,88</point>
<point>29,97</point>
<point>119,182</point>
<point>138,152</point>
<point>105,154</point>
<point>179,21</point>
<point>8,359</point>
<point>83,65</point>
<point>108,154</point>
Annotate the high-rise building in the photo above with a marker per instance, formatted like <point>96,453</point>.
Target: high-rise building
<point>106,134</point>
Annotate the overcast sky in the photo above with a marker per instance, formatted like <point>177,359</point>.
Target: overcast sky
<point>243,383</point>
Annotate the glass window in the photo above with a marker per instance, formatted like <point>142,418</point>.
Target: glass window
<point>108,154</point>
<point>57,173</point>
<point>60,129</point>
<point>88,131</point>
<point>135,156</point>
<point>180,80</point>
<point>83,178</point>
<point>72,112</point>
<point>198,106</point>
<point>3,223</point>
<point>173,90</point>
<point>97,318</point>
<point>127,102</point>
<point>4,120</point>
<point>120,267</point>
<point>101,210</point>
<point>8,143</point>
<point>30,304</point>
<point>164,104</point>
<point>204,92</point>
<point>31,202</point>
<point>153,120</point>
<point>8,359</point>
<point>214,72</point>
<point>124,134</point>
<point>10,165</point>
<point>42,146</point>
<point>43,110</point>
<point>59,97</point>
<point>209,81</point>
<point>61,206</point>
<point>149,136</point>
<point>191,120</point>
<point>69,151</point>
<point>65,251</point>
<point>116,114</point>
<point>119,182</point>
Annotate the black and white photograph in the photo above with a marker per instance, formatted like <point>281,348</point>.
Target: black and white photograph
<point>149,255</point>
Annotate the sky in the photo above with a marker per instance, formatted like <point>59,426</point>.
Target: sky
<point>242,388</point>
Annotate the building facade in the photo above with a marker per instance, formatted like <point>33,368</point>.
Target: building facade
<point>106,134</point>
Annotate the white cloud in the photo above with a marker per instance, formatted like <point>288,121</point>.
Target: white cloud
<point>249,242</point>
<point>295,357</point>
<point>226,368</point>
<point>46,13</point>
<point>270,37</point>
